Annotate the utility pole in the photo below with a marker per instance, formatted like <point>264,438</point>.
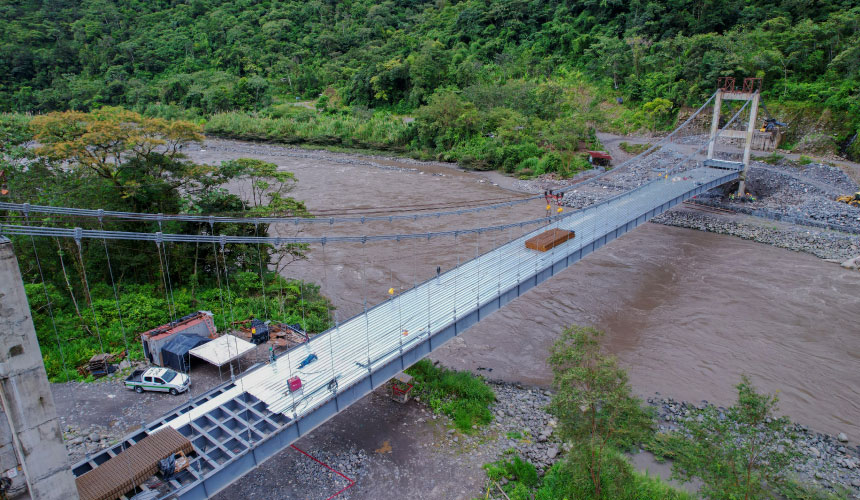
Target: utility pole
<point>34,441</point>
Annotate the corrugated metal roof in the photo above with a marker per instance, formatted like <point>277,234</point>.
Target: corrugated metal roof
<point>132,466</point>
<point>599,154</point>
<point>178,326</point>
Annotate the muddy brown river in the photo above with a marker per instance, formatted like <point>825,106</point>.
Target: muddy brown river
<point>686,312</point>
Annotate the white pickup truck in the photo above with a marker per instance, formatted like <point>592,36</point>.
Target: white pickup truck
<point>158,379</point>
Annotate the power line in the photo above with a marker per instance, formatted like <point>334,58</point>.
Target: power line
<point>212,219</point>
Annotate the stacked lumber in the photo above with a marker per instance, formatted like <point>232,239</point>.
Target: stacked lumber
<point>549,239</point>
<point>100,364</point>
<point>132,466</point>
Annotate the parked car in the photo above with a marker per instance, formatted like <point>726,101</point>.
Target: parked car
<point>158,379</point>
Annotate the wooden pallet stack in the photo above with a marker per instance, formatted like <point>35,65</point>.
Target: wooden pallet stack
<point>549,239</point>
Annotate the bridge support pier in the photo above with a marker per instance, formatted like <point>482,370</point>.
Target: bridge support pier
<point>748,144</point>
<point>30,436</point>
<point>731,94</point>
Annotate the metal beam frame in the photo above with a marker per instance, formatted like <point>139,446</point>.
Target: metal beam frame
<point>234,438</point>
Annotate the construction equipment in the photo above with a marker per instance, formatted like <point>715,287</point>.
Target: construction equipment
<point>853,200</point>
<point>198,324</point>
<point>308,360</point>
<point>771,124</point>
<point>276,334</point>
<point>294,383</point>
<point>101,364</point>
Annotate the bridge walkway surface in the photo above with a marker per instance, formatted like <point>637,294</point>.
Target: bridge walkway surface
<point>238,425</point>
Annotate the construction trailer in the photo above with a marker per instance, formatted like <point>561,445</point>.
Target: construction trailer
<point>199,324</point>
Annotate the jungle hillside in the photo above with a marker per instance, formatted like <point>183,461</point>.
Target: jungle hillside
<point>510,84</point>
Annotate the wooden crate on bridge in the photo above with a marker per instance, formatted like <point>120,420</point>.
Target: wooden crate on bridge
<point>549,239</point>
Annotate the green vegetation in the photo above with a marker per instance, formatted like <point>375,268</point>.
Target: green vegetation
<point>598,417</point>
<point>514,435</point>
<point>791,489</point>
<point>633,149</point>
<point>593,402</point>
<point>460,395</point>
<point>145,306</point>
<point>772,158</point>
<point>297,125</point>
<point>740,453</point>
<point>116,159</point>
<point>522,478</point>
<point>481,69</point>
<point>571,479</point>
<point>804,160</point>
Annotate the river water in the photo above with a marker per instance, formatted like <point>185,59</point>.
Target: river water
<point>686,312</point>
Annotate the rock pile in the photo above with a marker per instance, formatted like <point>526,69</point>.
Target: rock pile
<point>80,441</point>
<point>525,425</point>
<point>821,243</point>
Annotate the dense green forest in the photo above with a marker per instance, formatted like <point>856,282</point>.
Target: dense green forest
<point>110,90</point>
<point>97,296</point>
<point>502,64</point>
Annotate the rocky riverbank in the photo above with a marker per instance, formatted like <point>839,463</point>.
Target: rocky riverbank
<point>821,243</point>
<point>521,423</point>
<point>830,462</point>
<point>790,205</point>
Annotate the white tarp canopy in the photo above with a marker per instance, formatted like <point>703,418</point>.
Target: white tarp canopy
<point>222,350</point>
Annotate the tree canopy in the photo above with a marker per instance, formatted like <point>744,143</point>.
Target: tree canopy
<point>217,55</point>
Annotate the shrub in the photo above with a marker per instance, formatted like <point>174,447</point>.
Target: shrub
<point>571,479</point>
<point>530,164</point>
<point>550,162</point>
<point>737,453</point>
<point>459,394</point>
<point>633,149</point>
<point>593,401</point>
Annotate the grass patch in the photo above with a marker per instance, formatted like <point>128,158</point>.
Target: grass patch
<point>771,159</point>
<point>791,489</point>
<point>633,149</point>
<point>464,397</point>
<point>804,160</point>
<point>570,479</point>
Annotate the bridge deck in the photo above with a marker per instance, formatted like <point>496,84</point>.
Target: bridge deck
<point>238,425</point>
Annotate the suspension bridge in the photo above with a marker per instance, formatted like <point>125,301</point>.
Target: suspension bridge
<point>239,424</point>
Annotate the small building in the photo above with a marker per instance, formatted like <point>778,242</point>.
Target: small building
<point>199,324</point>
<point>599,158</point>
